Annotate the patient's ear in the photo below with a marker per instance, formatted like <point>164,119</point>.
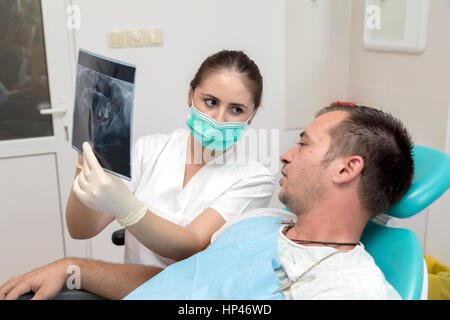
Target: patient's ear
<point>348,168</point>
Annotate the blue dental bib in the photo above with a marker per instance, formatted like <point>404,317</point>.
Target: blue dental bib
<point>240,264</point>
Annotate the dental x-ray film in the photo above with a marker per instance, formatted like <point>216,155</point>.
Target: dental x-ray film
<point>103,111</point>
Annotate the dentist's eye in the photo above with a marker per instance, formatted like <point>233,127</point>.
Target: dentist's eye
<point>301,144</point>
<point>237,110</point>
<point>210,102</point>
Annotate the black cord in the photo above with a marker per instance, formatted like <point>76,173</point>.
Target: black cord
<point>285,231</point>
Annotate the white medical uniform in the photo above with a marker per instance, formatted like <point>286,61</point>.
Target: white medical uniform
<point>229,187</point>
<point>349,275</point>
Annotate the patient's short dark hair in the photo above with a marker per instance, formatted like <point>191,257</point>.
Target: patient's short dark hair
<point>386,147</point>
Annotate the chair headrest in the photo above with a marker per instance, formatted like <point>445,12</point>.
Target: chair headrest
<point>431,179</point>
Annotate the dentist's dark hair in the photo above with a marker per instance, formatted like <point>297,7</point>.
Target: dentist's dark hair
<point>386,148</point>
<point>235,61</point>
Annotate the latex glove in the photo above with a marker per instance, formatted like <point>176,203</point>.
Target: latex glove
<point>101,191</point>
<point>79,162</point>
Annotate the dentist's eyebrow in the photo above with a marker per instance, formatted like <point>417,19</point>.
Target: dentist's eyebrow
<point>206,95</point>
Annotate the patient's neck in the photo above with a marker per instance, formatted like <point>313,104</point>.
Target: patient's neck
<point>334,221</point>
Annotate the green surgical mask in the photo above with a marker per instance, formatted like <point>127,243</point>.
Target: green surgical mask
<point>212,134</point>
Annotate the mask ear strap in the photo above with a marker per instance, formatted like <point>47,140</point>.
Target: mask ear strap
<point>253,113</point>
<point>191,93</point>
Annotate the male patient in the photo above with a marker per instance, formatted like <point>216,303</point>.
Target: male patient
<point>351,164</point>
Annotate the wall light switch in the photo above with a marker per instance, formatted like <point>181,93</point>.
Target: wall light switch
<point>117,39</point>
<point>136,38</point>
<point>154,37</point>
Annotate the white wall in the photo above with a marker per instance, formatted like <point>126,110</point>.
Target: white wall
<point>317,57</point>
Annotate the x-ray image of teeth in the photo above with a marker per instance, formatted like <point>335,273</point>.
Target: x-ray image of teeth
<point>104,97</point>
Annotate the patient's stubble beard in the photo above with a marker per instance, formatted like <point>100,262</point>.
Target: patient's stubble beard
<point>304,194</point>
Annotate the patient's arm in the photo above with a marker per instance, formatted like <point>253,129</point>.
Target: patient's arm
<point>112,281</point>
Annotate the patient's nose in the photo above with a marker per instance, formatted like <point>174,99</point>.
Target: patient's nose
<point>285,158</point>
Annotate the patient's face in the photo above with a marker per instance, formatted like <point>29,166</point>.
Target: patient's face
<point>305,180</point>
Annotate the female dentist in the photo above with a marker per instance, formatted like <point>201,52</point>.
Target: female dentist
<point>187,184</point>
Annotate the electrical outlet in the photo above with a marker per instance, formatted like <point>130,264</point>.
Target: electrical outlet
<point>117,38</point>
<point>136,38</point>
<point>154,37</point>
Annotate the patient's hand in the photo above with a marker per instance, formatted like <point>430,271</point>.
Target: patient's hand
<point>46,282</point>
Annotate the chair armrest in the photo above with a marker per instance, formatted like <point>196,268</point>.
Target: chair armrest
<point>67,294</point>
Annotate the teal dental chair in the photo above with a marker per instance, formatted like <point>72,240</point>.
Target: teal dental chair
<point>396,251</point>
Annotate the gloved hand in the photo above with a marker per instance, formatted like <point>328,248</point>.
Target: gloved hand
<point>79,162</point>
<point>104,192</point>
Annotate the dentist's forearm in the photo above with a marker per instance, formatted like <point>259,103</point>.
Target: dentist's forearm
<point>166,238</point>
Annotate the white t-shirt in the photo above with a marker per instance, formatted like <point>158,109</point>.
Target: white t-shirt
<point>230,187</point>
<point>345,275</point>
